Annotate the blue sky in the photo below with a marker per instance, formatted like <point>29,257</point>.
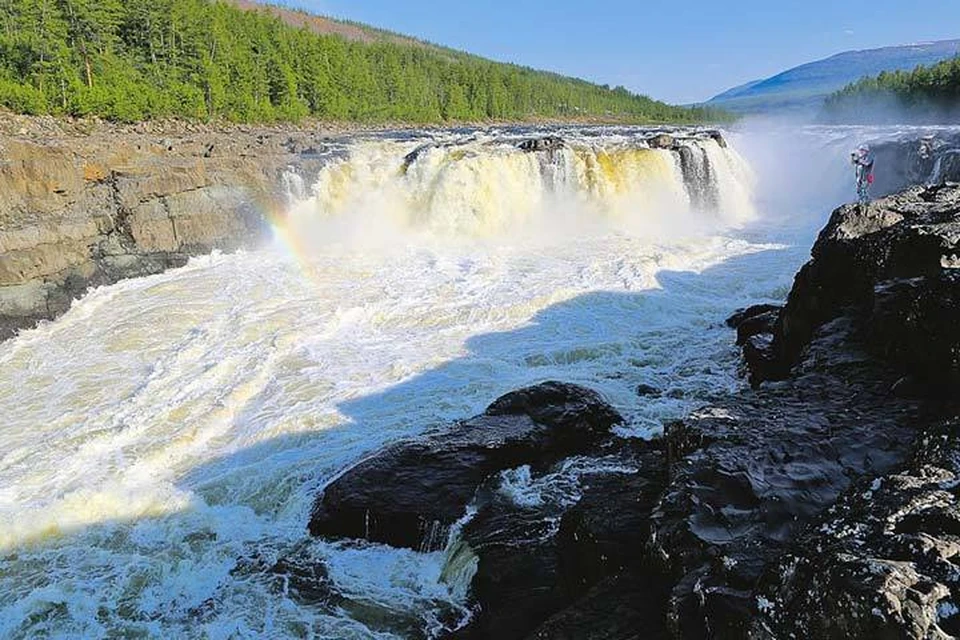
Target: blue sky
<point>675,50</point>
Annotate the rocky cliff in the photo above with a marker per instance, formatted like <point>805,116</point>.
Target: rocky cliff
<point>821,503</point>
<point>81,209</point>
<point>914,159</point>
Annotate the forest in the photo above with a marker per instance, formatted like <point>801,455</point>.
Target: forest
<point>928,94</point>
<point>132,60</point>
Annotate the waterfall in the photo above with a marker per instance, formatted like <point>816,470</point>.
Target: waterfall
<point>489,186</point>
<point>163,441</point>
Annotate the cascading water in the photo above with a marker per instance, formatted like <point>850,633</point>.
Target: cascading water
<point>488,186</point>
<point>162,443</point>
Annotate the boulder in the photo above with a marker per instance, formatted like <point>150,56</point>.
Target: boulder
<point>648,391</point>
<point>547,143</point>
<point>530,569</point>
<point>862,251</point>
<point>409,494</point>
<point>662,141</point>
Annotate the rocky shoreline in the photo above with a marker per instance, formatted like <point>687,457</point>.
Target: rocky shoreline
<point>89,209</point>
<point>820,503</point>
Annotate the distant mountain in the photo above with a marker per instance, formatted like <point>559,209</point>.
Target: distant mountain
<point>803,89</point>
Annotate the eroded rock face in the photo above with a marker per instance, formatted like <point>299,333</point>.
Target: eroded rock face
<point>409,494</point>
<point>81,211</point>
<point>748,473</point>
<point>891,266</point>
<point>931,160</point>
<point>882,562</point>
<point>546,548</point>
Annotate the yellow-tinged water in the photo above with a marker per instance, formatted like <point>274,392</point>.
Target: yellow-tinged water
<point>161,443</point>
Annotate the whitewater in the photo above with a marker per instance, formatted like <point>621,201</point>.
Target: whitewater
<point>162,443</point>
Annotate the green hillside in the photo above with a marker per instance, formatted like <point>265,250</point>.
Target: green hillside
<point>929,94</point>
<point>129,60</point>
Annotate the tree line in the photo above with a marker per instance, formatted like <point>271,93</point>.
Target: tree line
<point>131,60</point>
<point>929,94</point>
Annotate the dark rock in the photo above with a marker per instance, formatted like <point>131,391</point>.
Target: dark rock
<point>412,157</point>
<point>759,357</point>
<point>718,138</point>
<point>621,607</point>
<point>901,164</point>
<point>882,563</point>
<point>409,494</point>
<point>915,324</point>
<point>748,472</point>
<point>909,387</point>
<point>857,258</point>
<point>648,391</point>
<point>305,580</point>
<point>547,143</point>
<point>742,315</point>
<point>607,532</point>
<point>530,568</point>
<point>761,324</point>
<point>662,141</point>
<point>518,582</point>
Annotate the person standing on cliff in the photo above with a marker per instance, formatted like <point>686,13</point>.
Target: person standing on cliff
<point>862,161</point>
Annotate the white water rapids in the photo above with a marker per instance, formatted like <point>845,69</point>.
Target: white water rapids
<point>161,444</point>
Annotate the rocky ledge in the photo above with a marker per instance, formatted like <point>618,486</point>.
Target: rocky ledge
<point>85,209</point>
<point>822,502</point>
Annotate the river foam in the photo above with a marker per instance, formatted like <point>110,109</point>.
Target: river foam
<point>163,441</point>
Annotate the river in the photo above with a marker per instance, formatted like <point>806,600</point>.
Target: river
<point>161,444</point>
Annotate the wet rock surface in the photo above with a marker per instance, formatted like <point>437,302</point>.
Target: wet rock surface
<point>882,562</point>
<point>748,473</point>
<point>548,548</point>
<point>889,265</point>
<point>411,493</point>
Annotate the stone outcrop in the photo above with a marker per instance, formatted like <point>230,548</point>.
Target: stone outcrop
<point>409,494</point>
<point>84,210</point>
<point>662,141</point>
<point>881,563</point>
<point>581,534</point>
<point>930,160</point>
<point>892,266</point>
<point>546,143</point>
<point>750,472</point>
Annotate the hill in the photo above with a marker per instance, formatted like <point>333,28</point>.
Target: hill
<point>130,60</point>
<point>925,95</point>
<point>803,89</point>
<point>326,26</point>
